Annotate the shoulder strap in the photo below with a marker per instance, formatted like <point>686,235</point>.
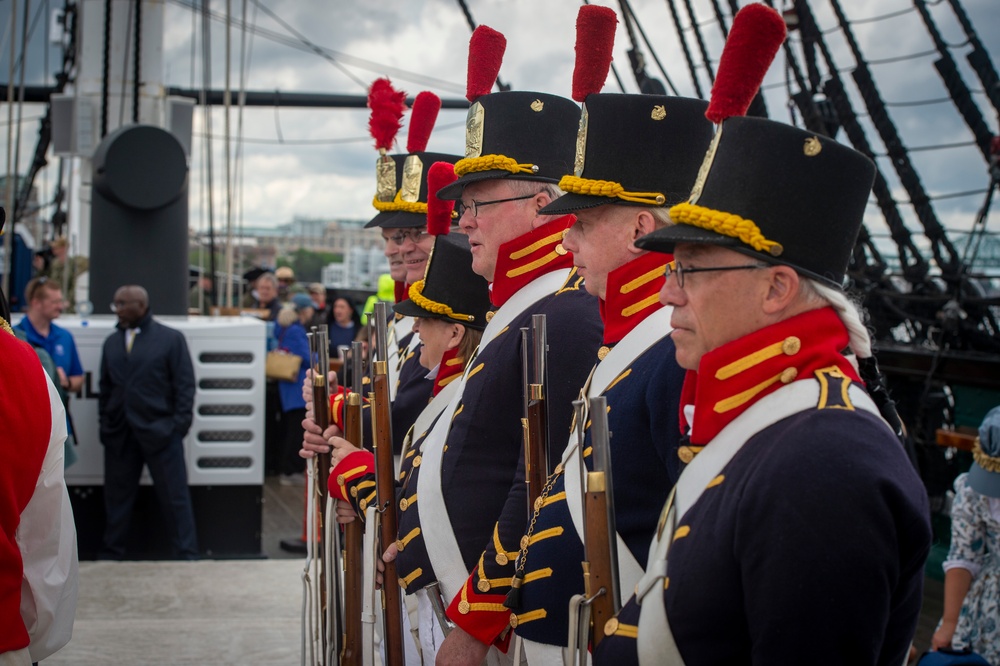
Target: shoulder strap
<point>655,641</point>
<point>650,331</point>
<point>439,538</point>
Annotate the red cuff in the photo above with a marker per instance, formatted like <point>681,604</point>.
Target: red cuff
<point>337,404</point>
<point>485,618</point>
<point>355,465</point>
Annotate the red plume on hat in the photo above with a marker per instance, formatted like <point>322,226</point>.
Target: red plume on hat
<point>438,210</point>
<point>387,105</point>
<point>595,40</point>
<point>754,40</point>
<point>486,49</point>
<point>423,115</point>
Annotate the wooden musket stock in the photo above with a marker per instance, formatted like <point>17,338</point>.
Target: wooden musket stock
<point>600,569</point>
<point>385,490</point>
<point>536,449</point>
<point>351,654</point>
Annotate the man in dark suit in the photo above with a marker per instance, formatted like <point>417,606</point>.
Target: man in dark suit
<point>145,406</point>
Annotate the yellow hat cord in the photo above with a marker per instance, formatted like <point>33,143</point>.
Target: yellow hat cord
<point>610,189</point>
<point>490,162</point>
<point>398,204</point>
<point>416,295</point>
<point>727,224</point>
<point>987,462</point>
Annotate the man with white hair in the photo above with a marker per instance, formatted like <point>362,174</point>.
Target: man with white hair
<point>799,529</point>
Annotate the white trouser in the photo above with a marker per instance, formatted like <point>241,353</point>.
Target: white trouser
<point>15,658</point>
<point>542,654</point>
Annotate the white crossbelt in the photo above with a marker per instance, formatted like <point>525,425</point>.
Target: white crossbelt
<point>439,539</point>
<point>655,642</point>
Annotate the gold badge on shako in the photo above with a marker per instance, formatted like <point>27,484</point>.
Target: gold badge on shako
<point>659,112</point>
<point>474,130</point>
<point>412,170</point>
<point>385,172</point>
<point>537,106</point>
<point>581,143</point>
<point>812,147</point>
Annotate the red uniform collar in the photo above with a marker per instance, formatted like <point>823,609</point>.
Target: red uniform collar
<point>530,256</point>
<point>449,370</point>
<point>401,290</point>
<point>736,375</point>
<point>632,294</point>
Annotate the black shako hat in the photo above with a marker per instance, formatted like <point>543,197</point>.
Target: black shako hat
<point>519,135</point>
<point>405,205</point>
<point>778,194</point>
<point>449,290</point>
<point>635,150</point>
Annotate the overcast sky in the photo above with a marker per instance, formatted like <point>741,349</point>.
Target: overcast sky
<point>319,163</point>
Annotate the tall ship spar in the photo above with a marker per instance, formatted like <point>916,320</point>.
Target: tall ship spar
<point>927,263</point>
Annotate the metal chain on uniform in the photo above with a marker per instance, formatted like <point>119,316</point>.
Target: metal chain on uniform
<point>513,600</point>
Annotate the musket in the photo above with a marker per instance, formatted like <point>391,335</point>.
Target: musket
<point>319,354</point>
<point>536,445</point>
<point>351,655</point>
<point>385,490</point>
<point>600,567</point>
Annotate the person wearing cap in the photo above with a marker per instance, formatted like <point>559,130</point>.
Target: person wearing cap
<point>799,529</point>
<point>615,202</point>
<point>518,145</point>
<point>64,270</point>
<point>971,617</point>
<point>450,306</point>
<point>290,331</point>
<point>286,279</point>
<point>39,572</point>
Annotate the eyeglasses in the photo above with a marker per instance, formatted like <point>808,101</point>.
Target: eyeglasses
<point>119,304</point>
<point>460,206</point>
<point>675,268</point>
<point>409,234</point>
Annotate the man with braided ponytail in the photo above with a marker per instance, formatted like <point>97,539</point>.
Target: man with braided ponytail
<point>798,530</point>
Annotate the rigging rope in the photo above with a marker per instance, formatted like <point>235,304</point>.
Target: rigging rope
<point>684,46</point>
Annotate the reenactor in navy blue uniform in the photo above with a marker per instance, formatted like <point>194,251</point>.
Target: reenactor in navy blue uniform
<point>401,199</point>
<point>518,144</point>
<point>453,297</point>
<point>615,201</point>
<point>798,531</point>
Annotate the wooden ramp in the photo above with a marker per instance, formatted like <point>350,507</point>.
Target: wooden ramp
<point>208,612</point>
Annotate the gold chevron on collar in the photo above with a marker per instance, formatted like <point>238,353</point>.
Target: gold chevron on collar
<point>645,278</point>
<point>537,245</point>
<point>789,346</point>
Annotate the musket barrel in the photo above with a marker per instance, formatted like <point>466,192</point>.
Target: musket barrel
<point>536,450</point>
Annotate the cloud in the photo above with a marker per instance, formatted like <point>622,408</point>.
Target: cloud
<point>319,162</point>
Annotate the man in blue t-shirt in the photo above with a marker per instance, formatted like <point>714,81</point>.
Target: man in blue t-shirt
<point>45,303</point>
